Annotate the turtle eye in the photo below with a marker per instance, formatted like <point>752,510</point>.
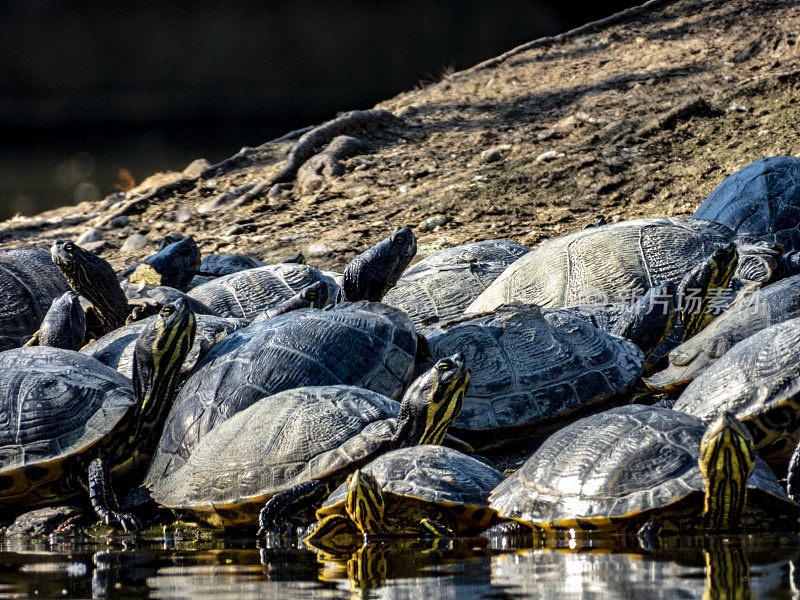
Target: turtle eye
<point>444,365</point>
<point>167,311</point>
<point>69,247</point>
<point>312,295</point>
<point>399,238</point>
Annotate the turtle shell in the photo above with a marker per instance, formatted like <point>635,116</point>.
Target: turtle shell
<point>115,349</point>
<point>444,284</point>
<point>54,404</point>
<point>430,473</point>
<point>281,440</point>
<point>773,304</point>
<point>761,198</point>
<point>528,365</point>
<point>365,344</point>
<point>29,282</point>
<point>223,264</point>
<point>612,263</point>
<point>246,293</point>
<point>617,464</point>
<point>757,382</point>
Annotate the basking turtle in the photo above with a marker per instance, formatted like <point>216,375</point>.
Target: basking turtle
<point>64,325</point>
<point>65,413</point>
<point>441,286</point>
<point>364,343</point>
<point>116,349</point>
<point>301,443</point>
<point>620,262</point>
<point>173,266</point>
<point>636,466</point>
<point>373,272</point>
<point>28,285</point>
<point>422,490</point>
<point>532,369</point>
<point>777,302</point>
<point>761,200</point>
<point>757,382</point>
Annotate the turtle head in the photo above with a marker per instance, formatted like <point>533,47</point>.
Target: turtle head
<point>699,288</point>
<point>431,403</point>
<point>316,295</point>
<point>94,278</point>
<point>727,458</point>
<point>173,266</point>
<point>364,502</point>
<point>64,325</point>
<point>371,274</point>
<point>157,359</point>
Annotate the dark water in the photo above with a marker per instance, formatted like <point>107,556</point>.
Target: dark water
<point>754,566</point>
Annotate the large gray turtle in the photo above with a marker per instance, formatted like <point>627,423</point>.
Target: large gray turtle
<point>444,284</point>
<point>531,370</point>
<point>365,344</point>
<point>762,200</point>
<point>777,302</point>
<point>29,282</point>
<point>757,382</point>
<point>615,263</point>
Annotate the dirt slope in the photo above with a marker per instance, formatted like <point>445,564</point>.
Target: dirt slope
<point>640,116</point>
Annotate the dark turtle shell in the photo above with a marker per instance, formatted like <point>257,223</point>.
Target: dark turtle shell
<point>618,464</point>
<point>284,439</point>
<point>444,284</point>
<point>757,382</point>
<point>54,404</point>
<point>370,345</point>
<point>29,282</point>
<point>773,304</point>
<point>762,198</point>
<point>528,366</point>
<point>245,294</point>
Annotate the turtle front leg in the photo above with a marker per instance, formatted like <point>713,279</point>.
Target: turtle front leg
<point>104,501</point>
<point>436,528</point>
<point>323,534</point>
<point>280,514</point>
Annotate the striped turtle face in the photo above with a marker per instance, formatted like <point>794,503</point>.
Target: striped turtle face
<point>432,402</point>
<point>317,295</point>
<point>364,503</point>
<point>699,289</point>
<point>727,458</point>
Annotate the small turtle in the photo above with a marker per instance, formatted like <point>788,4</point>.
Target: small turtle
<point>28,285</point>
<point>173,266</point>
<point>640,468</point>
<point>64,325</point>
<point>422,490</point>
<point>66,414</point>
<point>364,343</point>
<point>777,302</point>
<point>441,286</point>
<point>760,200</point>
<point>620,262</point>
<point>532,369</point>
<point>301,443</point>
<point>757,382</point>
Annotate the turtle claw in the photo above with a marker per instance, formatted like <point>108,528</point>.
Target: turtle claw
<point>127,521</point>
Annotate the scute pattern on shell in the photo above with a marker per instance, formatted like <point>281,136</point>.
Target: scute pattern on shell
<point>282,440</point>
<point>366,344</point>
<point>617,463</point>
<point>528,365</point>
<point>54,403</point>
<point>444,284</point>
<point>246,293</point>
<point>605,264</point>
<point>430,473</point>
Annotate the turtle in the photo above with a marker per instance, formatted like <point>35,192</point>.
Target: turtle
<point>442,285</point>
<point>116,349</point>
<point>760,200</point>
<point>373,272</point>
<point>316,295</point>
<point>216,265</point>
<point>640,470</point>
<point>426,490</point>
<point>174,265</point>
<point>29,282</point>
<point>756,381</point>
<point>65,414</point>
<point>531,370</point>
<point>64,325</point>
<point>364,343</point>
<point>621,261</point>
<point>310,437</point>
<point>777,302</point>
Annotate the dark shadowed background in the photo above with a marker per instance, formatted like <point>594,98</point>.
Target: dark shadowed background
<point>87,90</point>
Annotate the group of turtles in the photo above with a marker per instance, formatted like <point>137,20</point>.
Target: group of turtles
<point>645,374</point>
